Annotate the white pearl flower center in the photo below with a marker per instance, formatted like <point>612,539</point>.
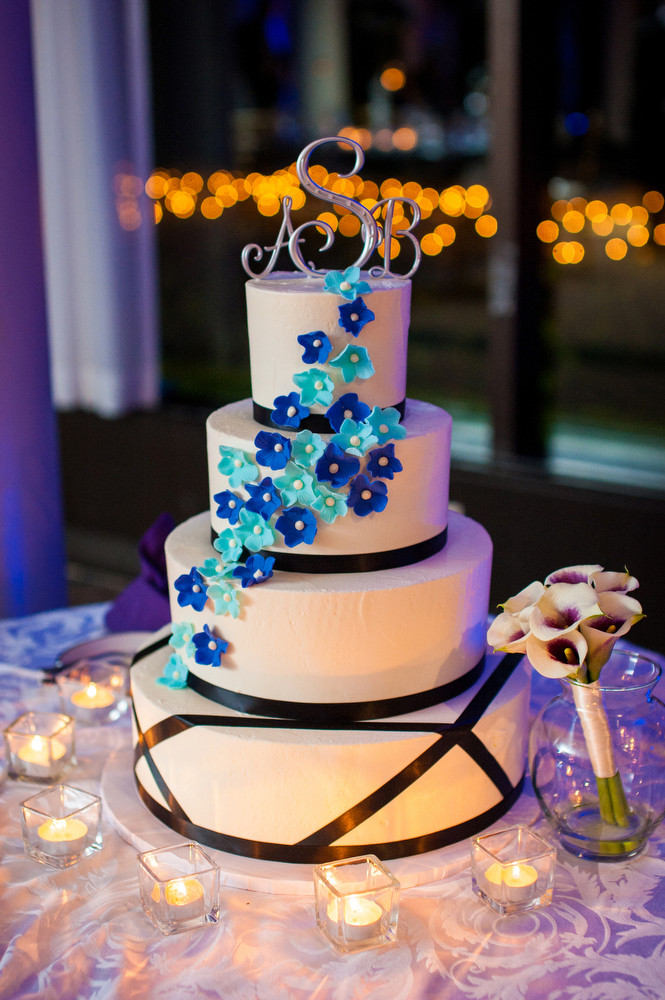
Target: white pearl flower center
<point>330,502</point>
<point>383,428</point>
<point>232,504</point>
<point>354,317</point>
<point>196,589</point>
<point>279,447</point>
<point>299,525</point>
<point>318,385</point>
<point>297,484</point>
<point>309,448</point>
<point>333,467</point>
<point>348,414</point>
<point>257,529</point>
<point>227,598</point>
<point>316,343</point>
<point>366,494</point>
<point>237,463</point>
<point>354,358</point>
<point>212,645</point>
<point>354,440</point>
<point>345,286</point>
<point>383,460</point>
<point>291,412</point>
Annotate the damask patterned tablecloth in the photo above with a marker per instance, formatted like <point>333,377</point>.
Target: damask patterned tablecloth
<point>82,933</point>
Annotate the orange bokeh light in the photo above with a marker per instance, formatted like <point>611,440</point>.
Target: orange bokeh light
<point>547,231</point>
<point>393,78</point>
<point>616,249</point>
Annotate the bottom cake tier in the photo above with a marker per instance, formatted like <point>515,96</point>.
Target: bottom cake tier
<point>309,792</point>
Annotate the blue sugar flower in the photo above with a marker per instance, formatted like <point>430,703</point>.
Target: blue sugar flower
<point>307,448</point>
<point>274,450</point>
<point>330,505</point>
<point>182,634</point>
<point>367,495</point>
<point>175,673</point>
<point>264,498</point>
<point>191,590</point>
<point>383,463</point>
<point>347,407</point>
<point>288,411</point>
<point>354,316</point>
<point>225,597</point>
<point>297,525</point>
<point>353,362</point>
<point>317,347</point>
<point>253,531</point>
<point>209,648</point>
<point>386,424</point>
<point>335,467</point>
<point>237,466</point>
<point>316,388</point>
<point>295,486</point>
<point>257,569</point>
<point>212,569</point>
<point>347,284</point>
<point>229,543</point>
<point>229,506</point>
<point>353,438</point>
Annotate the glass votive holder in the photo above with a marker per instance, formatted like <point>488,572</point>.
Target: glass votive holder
<point>40,746</point>
<point>179,888</point>
<point>357,903</point>
<point>61,825</point>
<point>93,693</point>
<point>513,869</point>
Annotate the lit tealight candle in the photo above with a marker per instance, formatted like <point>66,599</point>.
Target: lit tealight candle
<point>93,696</point>
<point>62,837</point>
<point>184,899</point>
<point>518,879</point>
<point>362,917</point>
<point>40,756</point>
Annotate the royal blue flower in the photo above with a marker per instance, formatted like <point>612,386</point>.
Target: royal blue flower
<point>329,505</point>
<point>191,590</point>
<point>317,347</point>
<point>354,316</point>
<point>253,531</point>
<point>347,407</point>
<point>288,411</point>
<point>229,505</point>
<point>386,424</point>
<point>307,448</point>
<point>353,438</point>
<point>316,388</point>
<point>274,450</point>
<point>295,486</point>
<point>237,466</point>
<point>353,362</point>
<point>297,525</point>
<point>175,673</point>
<point>347,284</point>
<point>264,498</point>
<point>209,647</point>
<point>225,599</point>
<point>257,569</point>
<point>367,495</point>
<point>335,467</point>
<point>382,462</point>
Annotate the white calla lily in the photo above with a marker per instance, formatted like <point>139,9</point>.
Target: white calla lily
<point>619,582</point>
<point>525,599</point>
<point>618,615</point>
<point>562,656</point>
<point>561,608</point>
<point>572,574</point>
<point>508,633</point>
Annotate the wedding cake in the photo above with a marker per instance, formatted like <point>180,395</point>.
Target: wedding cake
<point>324,688</point>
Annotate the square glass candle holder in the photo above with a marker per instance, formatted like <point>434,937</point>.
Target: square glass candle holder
<point>93,693</point>
<point>61,825</point>
<point>40,746</point>
<point>357,903</point>
<point>513,869</point>
<point>179,888</point>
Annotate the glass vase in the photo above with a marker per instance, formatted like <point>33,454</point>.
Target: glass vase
<point>571,776</point>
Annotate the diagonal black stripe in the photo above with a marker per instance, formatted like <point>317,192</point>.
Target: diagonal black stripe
<point>152,648</point>
<point>142,749</point>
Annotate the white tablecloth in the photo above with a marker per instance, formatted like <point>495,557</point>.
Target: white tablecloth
<point>82,933</point>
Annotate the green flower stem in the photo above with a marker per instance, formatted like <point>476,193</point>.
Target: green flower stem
<point>620,806</point>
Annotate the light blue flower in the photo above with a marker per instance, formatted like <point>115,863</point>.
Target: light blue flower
<point>349,284</point>
<point>253,531</point>
<point>329,505</point>
<point>354,316</point>
<point>226,599</point>
<point>353,362</point>
<point>237,466</point>
<point>317,347</point>
<point>316,388</point>
<point>307,448</point>
<point>296,486</point>
<point>182,634</point>
<point>386,424</point>
<point>354,438</point>
<point>382,463</point>
<point>212,569</point>
<point>229,543</point>
<point>175,673</point>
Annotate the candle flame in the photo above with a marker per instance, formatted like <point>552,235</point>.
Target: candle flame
<point>37,744</point>
<point>91,690</point>
<point>516,871</point>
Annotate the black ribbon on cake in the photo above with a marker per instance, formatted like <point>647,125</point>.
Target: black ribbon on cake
<point>318,846</point>
<point>318,423</point>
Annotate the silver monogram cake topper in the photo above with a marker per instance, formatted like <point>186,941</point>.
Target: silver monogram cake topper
<point>373,233</point>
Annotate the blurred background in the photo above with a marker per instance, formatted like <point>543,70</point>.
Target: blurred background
<point>531,137</point>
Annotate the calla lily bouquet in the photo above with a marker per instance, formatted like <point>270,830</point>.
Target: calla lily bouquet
<point>567,626</point>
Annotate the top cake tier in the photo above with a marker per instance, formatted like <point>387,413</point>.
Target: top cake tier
<point>285,305</point>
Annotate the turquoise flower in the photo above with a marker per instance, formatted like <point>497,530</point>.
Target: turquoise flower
<point>253,531</point>
<point>225,597</point>
<point>296,486</point>
<point>354,438</point>
<point>386,424</point>
<point>353,362</point>
<point>175,673</point>
<point>229,543</point>
<point>237,466</point>
<point>348,284</point>
<point>307,449</point>
<point>354,316</point>
<point>329,505</point>
<point>315,387</point>
<point>182,634</point>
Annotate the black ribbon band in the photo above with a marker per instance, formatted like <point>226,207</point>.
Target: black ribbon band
<point>316,422</point>
<point>317,846</point>
<point>353,711</point>
<point>358,562</point>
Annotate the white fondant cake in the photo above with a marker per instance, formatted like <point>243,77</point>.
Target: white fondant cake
<point>323,689</point>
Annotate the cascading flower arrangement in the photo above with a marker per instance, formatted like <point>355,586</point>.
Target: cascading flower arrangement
<point>567,627</point>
